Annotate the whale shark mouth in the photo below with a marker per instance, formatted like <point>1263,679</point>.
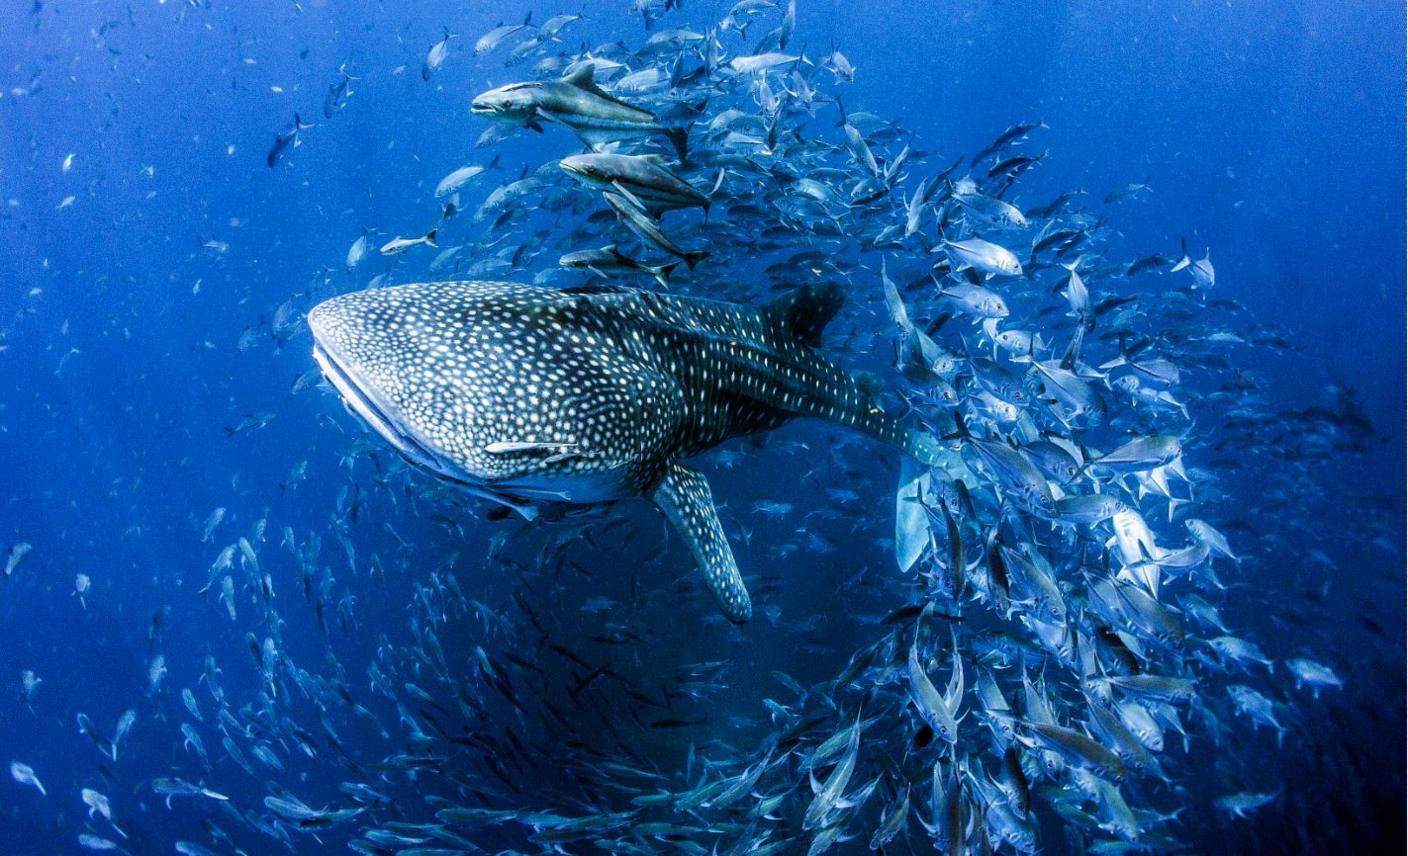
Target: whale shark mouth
<point>367,404</point>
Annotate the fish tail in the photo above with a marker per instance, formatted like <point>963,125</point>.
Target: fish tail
<point>679,138</point>
<point>692,259</point>
<point>1186,260</point>
<point>662,273</point>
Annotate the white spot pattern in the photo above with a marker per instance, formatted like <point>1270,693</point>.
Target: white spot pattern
<point>597,392</point>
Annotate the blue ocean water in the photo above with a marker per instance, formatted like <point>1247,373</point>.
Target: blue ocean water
<point>151,336</point>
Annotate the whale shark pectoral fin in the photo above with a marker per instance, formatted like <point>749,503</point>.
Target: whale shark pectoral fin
<point>684,496</point>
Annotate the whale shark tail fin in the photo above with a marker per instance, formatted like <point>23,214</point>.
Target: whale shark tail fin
<point>683,494</point>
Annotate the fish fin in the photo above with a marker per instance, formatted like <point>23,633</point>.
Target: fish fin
<point>911,519</point>
<point>634,200</point>
<point>1068,360</point>
<point>597,139</point>
<point>804,312</point>
<point>692,259</point>
<point>683,494</point>
<point>1186,260</point>
<point>584,78</point>
<point>679,138</point>
<point>662,273</point>
<point>430,238</point>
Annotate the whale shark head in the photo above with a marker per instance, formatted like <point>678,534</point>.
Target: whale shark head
<point>389,358</point>
<point>498,386</point>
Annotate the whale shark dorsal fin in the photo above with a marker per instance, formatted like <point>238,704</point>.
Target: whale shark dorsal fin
<point>684,496</point>
<point>804,312</point>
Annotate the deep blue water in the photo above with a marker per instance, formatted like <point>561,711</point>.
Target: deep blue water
<point>135,330</point>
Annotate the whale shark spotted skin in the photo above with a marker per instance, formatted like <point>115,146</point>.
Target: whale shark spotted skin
<point>525,394</point>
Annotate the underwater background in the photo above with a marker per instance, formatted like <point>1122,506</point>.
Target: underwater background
<point>155,367</point>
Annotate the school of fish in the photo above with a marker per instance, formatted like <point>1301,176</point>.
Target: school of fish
<point>1043,653</point>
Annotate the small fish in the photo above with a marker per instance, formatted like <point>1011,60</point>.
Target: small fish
<point>124,725</point>
<point>976,301</point>
<point>338,93</point>
<point>1243,803</point>
<point>156,673</point>
<point>1204,276</point>
<point>211,522</point>
<point>286,139</point>
<point>398,245</point>
<point>984,256</point>
<point>98,804</point>
<point>95,842</point>
<point>459,177</point>
<point>15,555</point>
<point>554,25</point>
<point>227,596</point>
<point>29,684</point>
<point>173,787</point>
<point>1315,675</point>
<point>250,422</point>
<point>357,252</point>
<point>24,774</point>
<point>490,41</point>
<point>435,57</point>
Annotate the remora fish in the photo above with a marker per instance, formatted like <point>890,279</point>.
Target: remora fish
<point>634,215</point>
<point>577,102</point>
<point>608,260</point>
<point>617,385</point>
<point>645,176</point>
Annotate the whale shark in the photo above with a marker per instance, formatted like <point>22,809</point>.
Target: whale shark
<point>527,394</point>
